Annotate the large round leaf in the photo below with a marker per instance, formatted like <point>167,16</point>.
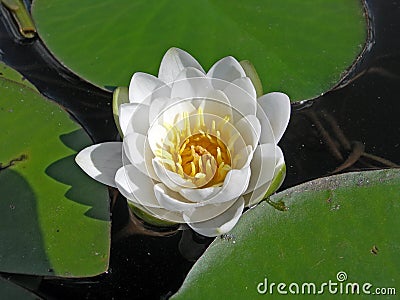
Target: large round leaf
<point>54,220</point>
<point>299,47</point>
<point>314,233</point>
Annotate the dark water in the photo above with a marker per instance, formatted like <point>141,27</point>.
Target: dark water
<point>364,107</point>
<point>353,127</point>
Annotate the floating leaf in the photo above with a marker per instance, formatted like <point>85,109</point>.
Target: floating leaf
<point>9,290</point>
<point>11,74</point>
<point>54,219</point>
<point>346,223</point>
<point>299,47</point>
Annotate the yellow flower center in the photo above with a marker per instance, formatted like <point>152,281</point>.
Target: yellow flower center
<point>202,158</point>
<point>206,157</point>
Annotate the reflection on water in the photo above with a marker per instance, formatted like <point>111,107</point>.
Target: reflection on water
<point>353,127</point>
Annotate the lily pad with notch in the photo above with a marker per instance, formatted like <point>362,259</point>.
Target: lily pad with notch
<point>54,219</point>
<point>302,48</point>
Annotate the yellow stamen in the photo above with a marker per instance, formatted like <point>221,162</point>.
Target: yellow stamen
<point>180,169</point>
<point>200,157</point>
<point>200,118</point>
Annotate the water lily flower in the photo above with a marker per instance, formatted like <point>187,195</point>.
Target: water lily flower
<point>197,147</point>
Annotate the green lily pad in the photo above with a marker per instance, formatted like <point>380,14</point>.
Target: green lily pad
<point>9,290</point>
<point>299,47</point>
<point>54,220</point>
<point>347,223</point>
<point>11,74</point>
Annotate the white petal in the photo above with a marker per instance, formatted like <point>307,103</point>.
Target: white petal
<point>138,151</point>
<point>216,103</point>
<point>277,108</point>
<point>157,106</point>
<point>258,194</point>
<point>171,200</point>
<point>189,73</point>
<point>175,112</point>
<point>134,145</point>
<point>199,194</point>
<point>171,179</point>
<point>255,196</point>
<point>135,186</point>
<point>156,135</point>
<point>191,83</point>
<point>246,85</point>
<point>198,212</point>
<point>134,117</point>
<point>143,86</point>
<point>235,184</point>
<point>173,62</point>
<point>227,69</point>
<point>243,158</point>
<point>262,166</point>
<point>202,213</point>
<point>169,111</point>
<point>267,135</point>
<point>221,224</point>
<point>242,102</point>
<point>250,130</point>
<point>101,161</point>
<point>163,214</point>
<point>279,158</point>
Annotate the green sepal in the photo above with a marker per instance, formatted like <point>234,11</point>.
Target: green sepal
<point>120,96</point>
<point>148,218</point>
<point>251,72</point>
<point>276,181</point>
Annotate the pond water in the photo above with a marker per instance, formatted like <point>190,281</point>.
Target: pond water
<point>355,126</point>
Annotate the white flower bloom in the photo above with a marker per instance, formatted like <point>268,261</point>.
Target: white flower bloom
<point>197,147</point>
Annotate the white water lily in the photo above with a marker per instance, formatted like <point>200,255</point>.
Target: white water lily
<point>197,147</point>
